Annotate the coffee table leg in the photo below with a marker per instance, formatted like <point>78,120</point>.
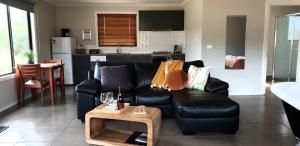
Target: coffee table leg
<point>153,131</point>
<point>94,126</point>
<point>150,135</point>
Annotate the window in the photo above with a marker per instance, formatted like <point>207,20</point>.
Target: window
<point>117,30</point>
<point>20,33</point>
<point>5,51</point>
<point>15,37</point>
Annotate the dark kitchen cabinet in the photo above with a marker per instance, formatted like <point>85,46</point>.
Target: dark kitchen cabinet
<point>81,66</point>
<point>161,20</point>
<point>129,58</point>
<point>178,56</point>
<point>145,21</point>
<point>178,20</point>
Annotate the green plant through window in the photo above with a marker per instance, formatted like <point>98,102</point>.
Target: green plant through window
<point>14,37</point>
<point>20,33</point>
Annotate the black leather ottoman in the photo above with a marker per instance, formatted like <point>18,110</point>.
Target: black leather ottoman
<point>205,112</point>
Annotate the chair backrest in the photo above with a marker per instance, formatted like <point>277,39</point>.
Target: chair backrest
<point>53,61</point>
<point>30,71</point>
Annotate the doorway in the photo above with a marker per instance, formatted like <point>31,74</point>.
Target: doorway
<point>286,44</point>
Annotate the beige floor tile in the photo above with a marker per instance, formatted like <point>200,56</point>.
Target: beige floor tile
<point>34,144</point>
<point>72,134</point>
<point>262,123</point>
<point>42,135</point>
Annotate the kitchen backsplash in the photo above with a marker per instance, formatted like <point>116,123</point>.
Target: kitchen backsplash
<point>149,41</point>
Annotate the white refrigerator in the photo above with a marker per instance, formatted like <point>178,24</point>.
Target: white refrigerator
<point>62,48</point>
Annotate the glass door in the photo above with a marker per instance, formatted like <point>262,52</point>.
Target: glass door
<point>286,48</point>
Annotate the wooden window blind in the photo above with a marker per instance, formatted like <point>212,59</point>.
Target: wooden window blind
<point>117,30</point>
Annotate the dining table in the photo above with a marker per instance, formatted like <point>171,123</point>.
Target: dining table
<point>50,69</point>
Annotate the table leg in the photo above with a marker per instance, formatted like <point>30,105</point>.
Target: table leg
<point>18,88</point>
<point>93,127</point>
<point>33,94</point>
<point>62,82</point>
<point>153,130</point>
<point>150,134</point>
<point>52,87</point>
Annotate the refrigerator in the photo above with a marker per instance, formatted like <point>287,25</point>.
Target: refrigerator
<point>62,48</point>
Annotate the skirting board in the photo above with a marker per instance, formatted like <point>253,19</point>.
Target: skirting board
<point>15,103</point>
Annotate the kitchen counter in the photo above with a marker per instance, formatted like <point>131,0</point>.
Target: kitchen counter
<point>82,63</point>
<point>152,54</point>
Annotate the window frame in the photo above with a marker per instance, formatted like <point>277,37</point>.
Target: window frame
<point>116,12</point>
<point>13,71</point>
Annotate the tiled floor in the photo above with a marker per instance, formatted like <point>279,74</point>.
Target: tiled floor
<point>262,123</point>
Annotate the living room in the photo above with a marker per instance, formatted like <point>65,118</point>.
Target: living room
<point>200,33</point>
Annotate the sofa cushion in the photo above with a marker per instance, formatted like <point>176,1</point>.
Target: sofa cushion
<point>204,105</point>
<point>153,97</point>
<point>145,73</point>
<point>114,76</point>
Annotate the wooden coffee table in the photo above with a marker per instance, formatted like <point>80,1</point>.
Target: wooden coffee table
<point>98,134</point>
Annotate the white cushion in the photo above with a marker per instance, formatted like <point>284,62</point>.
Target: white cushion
<point>197,77</point>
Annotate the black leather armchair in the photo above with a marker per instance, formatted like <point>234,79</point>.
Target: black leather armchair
<point>86,92</point>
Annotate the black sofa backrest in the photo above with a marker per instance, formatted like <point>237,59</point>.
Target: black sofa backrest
<point>197,63</point>
<point>143,73</point>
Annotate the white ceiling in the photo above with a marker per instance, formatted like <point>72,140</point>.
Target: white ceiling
<point>118,1</point>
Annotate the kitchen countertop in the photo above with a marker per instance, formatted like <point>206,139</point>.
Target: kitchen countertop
<point>106,54</point>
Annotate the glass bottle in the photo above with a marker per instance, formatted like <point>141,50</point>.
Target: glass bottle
<point>120,100</point>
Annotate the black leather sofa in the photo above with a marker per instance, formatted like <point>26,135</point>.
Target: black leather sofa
<point>193,110</point>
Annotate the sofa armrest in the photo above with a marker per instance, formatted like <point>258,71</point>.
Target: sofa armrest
<point>90,75</point>
<point>216,85</point>
<point>91,87</point>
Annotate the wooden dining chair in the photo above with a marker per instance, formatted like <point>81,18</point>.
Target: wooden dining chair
<point>31,76</point>
<point>57,76</point>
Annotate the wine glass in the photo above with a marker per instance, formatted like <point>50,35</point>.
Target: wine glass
<point>103,98</point>
<point>110,97</point>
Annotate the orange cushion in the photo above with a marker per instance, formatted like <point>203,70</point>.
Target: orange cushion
<point>159,79</point>
<point>176,80</point>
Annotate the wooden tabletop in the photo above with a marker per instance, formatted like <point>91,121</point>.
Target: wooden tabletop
<point>127,115</point>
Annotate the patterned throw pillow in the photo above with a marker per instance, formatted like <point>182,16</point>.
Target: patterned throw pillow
<point>197,77</point>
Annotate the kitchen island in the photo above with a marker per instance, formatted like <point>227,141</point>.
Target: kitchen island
<point>82,63</point>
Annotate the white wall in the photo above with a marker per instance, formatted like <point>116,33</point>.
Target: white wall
<point>242,82</point>
<point>284,2</point>
<point>193,29</point>
<point>8,96</point>
<point>45,13</point>
<point>79,17</point>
